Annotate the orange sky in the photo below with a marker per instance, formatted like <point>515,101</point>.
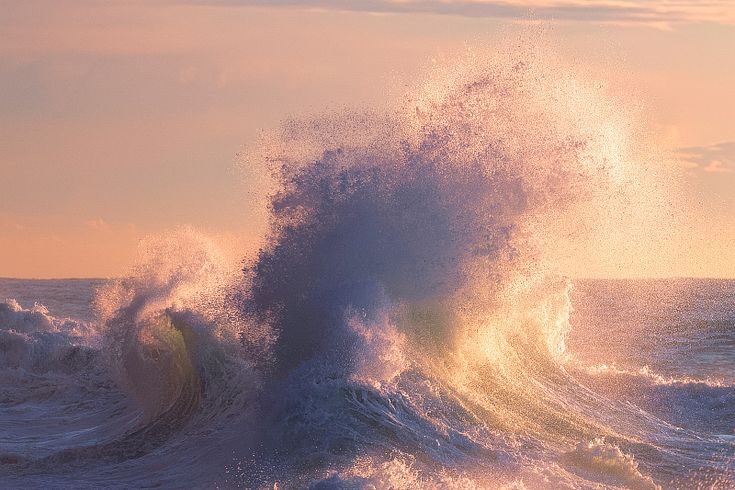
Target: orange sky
<point>122,119</point>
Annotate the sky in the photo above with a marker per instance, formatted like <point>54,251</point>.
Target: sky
<point>124,119</point>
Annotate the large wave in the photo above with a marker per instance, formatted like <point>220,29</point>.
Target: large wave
<point>404,324</point>
<point>412,283</point>
<point>449,199</point>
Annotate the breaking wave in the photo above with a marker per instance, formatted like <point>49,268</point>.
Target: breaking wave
<point>404,325</point>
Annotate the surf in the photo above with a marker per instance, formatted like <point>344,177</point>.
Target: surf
<point>405,323</point>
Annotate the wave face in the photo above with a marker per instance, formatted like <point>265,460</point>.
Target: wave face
<point>148,394</point>
<point>407,323</point>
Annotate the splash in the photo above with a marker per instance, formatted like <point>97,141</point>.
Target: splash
<point>406,322</point>
<point>619,469</point>
<point>414,271</point>
<point>35,340</point>
<point>170,318</point>
<point>436,208</point>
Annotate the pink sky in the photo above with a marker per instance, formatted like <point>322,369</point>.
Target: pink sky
<point>122,119</point>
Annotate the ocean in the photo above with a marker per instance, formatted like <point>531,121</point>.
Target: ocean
<point>650,401</point>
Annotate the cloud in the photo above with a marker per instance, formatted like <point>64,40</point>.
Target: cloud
<point>657,13</point>
<point>719,158</point>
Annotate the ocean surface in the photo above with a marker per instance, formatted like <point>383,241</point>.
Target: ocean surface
<point>408,323</point>
<point>650,401</point>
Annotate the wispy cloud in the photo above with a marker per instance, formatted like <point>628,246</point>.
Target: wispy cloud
<point>658,13</point>
<point>719,158</point>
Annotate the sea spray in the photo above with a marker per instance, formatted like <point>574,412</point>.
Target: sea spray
<point>414,250</point>
<point>406,324</point>
<point>446,198</point>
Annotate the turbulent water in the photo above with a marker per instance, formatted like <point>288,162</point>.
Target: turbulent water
<point>407,323</point>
